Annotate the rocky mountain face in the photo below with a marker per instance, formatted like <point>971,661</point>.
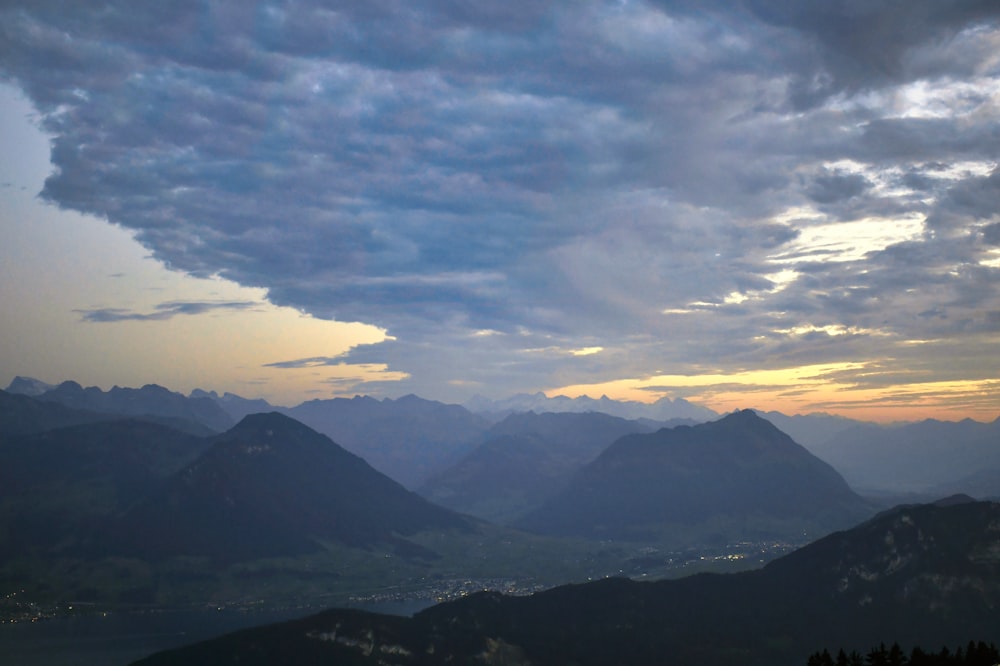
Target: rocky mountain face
<point>739,470</point>
<point>927,574</point>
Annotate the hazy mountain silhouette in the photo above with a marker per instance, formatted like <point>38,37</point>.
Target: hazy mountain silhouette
<point>984,484</point>
<point>738,470</point>
<point>526,459</point>
<point>408,439</point>
<point>925,456</point>
<point>150,400</point>
<point>663,409</point>
<point>236,406</point>
<point>811,430</point>
<point>272,486</point>
<point>22,415</point>
<point>925,575</point>
<point>28,386</point>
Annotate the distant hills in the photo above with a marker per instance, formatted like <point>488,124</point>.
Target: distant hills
<point>149,401</point>
<point>23,415</point>
<point>526,459</point>
<point>414,440</point>
<point>924,456</point>
<point>408,439</point>
<point>740,475</point>
<point>926,575</point>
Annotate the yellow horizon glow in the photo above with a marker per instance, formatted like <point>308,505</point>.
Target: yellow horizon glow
<point>805,389</point>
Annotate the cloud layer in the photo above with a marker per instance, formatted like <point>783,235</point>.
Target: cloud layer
<point>690,187</point>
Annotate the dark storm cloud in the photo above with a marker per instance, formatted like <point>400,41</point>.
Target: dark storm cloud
<point>857,45</point>
<point>831,186</point>
<point>162,312</point>
<point>486,179</point>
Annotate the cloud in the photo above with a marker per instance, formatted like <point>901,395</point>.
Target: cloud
<point>620,175</point>
<point>162,312</point>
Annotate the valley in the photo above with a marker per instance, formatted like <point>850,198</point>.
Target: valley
<point>145,511</point>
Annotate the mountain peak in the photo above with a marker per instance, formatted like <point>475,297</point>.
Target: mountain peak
<point>273,486</point>
<point>267,419</point>
<point>952,500</point>
<point>739,465</point>
<point>265,426</point>
<point>745,415</point>
<point>28,386</point>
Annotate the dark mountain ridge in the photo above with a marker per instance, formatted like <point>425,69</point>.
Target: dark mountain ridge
<point>150,400</point>
<point>737,468</point>
<point>272,486</point>
<point>21,415</point>
<point>917,575</point>
<point>58,486</point>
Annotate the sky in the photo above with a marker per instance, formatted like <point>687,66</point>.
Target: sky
<point>743,203</point>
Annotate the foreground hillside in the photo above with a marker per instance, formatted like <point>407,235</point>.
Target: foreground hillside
<point>926,574</point>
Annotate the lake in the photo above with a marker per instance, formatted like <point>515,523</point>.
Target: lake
<point>117,639</point>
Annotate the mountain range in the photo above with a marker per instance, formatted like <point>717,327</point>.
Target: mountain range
<point>663,409</point>
<point>149,401</point>
<point>526,459</point>
<point>408,438</point>
<point>925,456</point>
<point>414,440</point>
<point>917,575</point>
